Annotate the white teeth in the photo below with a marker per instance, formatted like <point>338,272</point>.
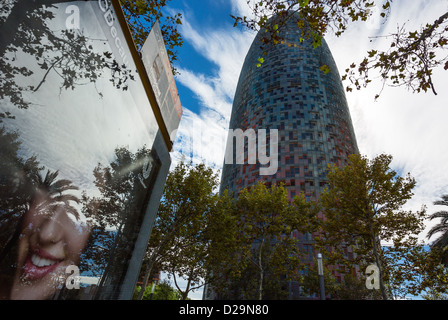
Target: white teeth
<point>41,262</point>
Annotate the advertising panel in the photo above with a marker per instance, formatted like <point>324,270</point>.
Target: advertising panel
<point>158,68</point>
<point>78,156</point>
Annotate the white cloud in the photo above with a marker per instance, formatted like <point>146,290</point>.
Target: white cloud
<point>208,91</point>
<point>202,136</point>
<point>226,48</point>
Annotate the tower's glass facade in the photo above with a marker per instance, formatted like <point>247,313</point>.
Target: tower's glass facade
<point>290,93</point>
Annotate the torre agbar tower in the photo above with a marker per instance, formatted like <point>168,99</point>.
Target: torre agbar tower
<point>290,93</point>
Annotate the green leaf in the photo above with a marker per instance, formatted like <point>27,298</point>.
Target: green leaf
<point>325,69</point>
<point>372,53</point>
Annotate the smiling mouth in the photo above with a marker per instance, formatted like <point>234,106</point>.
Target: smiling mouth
<point>36,266</point>
<point>38,261</point>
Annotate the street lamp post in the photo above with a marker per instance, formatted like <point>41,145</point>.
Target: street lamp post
<point>320,271</point>
<point>152,289</point>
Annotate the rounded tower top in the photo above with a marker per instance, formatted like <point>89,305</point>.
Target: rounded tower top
<point>289,92</point>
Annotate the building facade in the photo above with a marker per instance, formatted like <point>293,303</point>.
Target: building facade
<point>290,93</point>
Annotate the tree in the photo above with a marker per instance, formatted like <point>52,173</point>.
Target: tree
<point>191,246</point>
<point>206,243</point>
<point>416,270</point>
<point>162,291</point>
<point>435,296</point>
<point>177,240</point>
<point>354,288</point>
<point>225,241</point>
<point>314,17</point>
<point>409,61</point>
<point>267,256</point>
<point>442,227</point>
<point>363,207</point>
<point>350,288</point>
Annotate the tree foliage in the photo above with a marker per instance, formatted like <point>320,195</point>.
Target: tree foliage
<point>415,270</point>
<point>162,291</point>
<point>409,61</point>
<point>321,16</point>
<point>315,18</point>
<point>363,209</point>
<point>16,184</point>
<point>179,240</point>
<point>441,227</point>
<point>66,53</point>
<point>267,256</point>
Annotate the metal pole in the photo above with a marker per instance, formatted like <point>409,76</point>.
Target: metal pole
<point>152,289</point>
<point>320,271</point>
<point>289,290</point>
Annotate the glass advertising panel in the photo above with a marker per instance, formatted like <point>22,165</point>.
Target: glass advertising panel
<point>77,163</point>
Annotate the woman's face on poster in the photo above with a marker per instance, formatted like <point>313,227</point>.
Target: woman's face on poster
<point>51,240</point>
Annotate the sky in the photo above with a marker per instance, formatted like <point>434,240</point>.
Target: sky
<point>409,126</point>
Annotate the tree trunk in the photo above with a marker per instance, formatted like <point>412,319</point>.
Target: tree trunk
<point>187,289</point>
<point>148,272</point>
<point>153,258</point>
<point>375,240</point>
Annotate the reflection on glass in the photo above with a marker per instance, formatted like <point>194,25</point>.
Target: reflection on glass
<point>77,164</point>
<point>51,239</point>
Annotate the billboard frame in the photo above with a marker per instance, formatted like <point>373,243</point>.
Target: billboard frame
<point>143,74</point>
